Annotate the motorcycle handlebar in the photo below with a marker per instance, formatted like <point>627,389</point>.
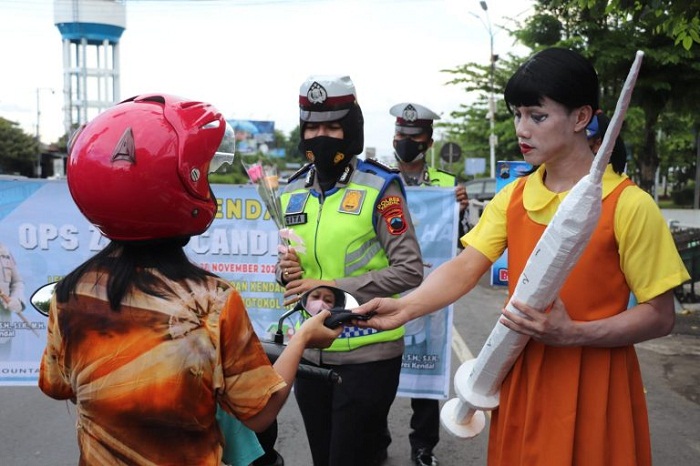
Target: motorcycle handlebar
<point>306,369</point>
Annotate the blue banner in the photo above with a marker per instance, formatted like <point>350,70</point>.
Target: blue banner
<point>48,237</point>
<point>508,171</point>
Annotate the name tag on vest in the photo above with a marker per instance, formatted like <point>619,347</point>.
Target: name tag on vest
<point>295,219</point>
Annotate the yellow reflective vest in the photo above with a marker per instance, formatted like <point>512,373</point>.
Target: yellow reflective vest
<point>340,237</point>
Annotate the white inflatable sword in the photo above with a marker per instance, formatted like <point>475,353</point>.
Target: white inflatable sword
<point>478,381</point>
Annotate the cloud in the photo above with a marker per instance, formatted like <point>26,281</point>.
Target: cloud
<point>248,58</point>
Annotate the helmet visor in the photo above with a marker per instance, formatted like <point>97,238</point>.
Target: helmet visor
<point>224,154</point>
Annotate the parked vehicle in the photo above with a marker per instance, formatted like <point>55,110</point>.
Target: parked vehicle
<point>481,189</point>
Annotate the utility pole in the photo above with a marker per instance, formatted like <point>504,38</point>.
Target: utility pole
<point>38,133</point>
<point>493,141</point>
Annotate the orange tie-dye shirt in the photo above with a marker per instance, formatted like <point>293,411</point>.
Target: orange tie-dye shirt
<point>146,379</point>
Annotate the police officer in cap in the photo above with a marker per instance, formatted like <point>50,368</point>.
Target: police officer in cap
<point>353,218</point>
<point>413,136</point>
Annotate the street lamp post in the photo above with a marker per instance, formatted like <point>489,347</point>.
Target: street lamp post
<point>38,133</point>
<point>492,103</point>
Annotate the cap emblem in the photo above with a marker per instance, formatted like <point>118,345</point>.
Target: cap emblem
<point>409,113</point>
<point>317,94</point>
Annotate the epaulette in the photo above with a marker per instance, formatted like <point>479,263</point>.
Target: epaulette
<point>379,164</point>
<point>300,172</point>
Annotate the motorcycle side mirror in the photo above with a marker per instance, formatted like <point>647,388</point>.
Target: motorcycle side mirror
<point>42,298</point>
<point>321,297</point>
<point>337,301</point>
<point>327,297</point>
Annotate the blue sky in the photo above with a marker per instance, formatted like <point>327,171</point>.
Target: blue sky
<point>248,57</point>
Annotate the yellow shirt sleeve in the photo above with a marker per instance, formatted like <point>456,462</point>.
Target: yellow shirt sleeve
<point>648,255</point>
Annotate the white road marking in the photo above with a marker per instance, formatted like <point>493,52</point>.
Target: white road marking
<point>462,351</point>
<point>460,347</point>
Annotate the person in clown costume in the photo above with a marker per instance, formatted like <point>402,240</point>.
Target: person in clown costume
<point>574,395</point>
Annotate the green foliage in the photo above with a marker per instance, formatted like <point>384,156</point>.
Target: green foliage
<point>545,30</point>
<point>469,126</point>
<point>18,150</point>
<point>677,19</point>
<point>683,196</point>
<point>292,146</point>
<point>609,33</point>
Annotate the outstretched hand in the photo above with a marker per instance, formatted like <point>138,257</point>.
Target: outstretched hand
<point>315,334</point>
<point>388,314</point>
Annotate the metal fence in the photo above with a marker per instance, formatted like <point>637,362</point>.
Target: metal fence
<point>688,244</point>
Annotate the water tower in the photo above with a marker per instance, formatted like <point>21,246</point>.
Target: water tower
<point>90,30</point>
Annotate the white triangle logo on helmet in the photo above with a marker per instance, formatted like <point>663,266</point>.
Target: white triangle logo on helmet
<point>125,149</point>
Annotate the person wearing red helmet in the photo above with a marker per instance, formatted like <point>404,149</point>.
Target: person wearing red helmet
<point>143,341</point>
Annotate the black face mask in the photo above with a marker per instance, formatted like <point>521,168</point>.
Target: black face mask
<point>407,150</point>
<point>329,156</point>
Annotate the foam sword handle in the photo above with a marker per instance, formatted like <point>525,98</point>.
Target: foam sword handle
<point>477,382</point>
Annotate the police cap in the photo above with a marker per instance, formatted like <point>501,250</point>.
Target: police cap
<point>413,118</point>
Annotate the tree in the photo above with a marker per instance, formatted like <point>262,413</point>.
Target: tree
<point>469,125</point>
<point>18,150</point>
<point>292,146</point>
<point>678,19</point>
<point>609,33</point>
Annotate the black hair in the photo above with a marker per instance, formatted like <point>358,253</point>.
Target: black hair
<point>130,264</point>
<point>560,74</point>
<point>338,296</point>
<point>618,157</point>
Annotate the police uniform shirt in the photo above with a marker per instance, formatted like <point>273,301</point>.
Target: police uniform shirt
<point>419,179</point>
<point>406,265</point>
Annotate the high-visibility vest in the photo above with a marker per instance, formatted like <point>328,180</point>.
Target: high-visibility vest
<point>340,237</point>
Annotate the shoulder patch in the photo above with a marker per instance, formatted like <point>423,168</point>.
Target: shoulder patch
<point>379,164</point>
<point>300,172</point>
<point>391,210</point>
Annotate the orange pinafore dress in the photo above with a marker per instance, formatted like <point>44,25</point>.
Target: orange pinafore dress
<point>572,406</point>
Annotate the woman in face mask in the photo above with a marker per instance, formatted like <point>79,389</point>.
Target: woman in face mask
<point>319,299</point>
<point>353,218</point>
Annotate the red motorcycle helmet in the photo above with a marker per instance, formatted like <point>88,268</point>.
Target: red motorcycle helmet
<point>138,171</point>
